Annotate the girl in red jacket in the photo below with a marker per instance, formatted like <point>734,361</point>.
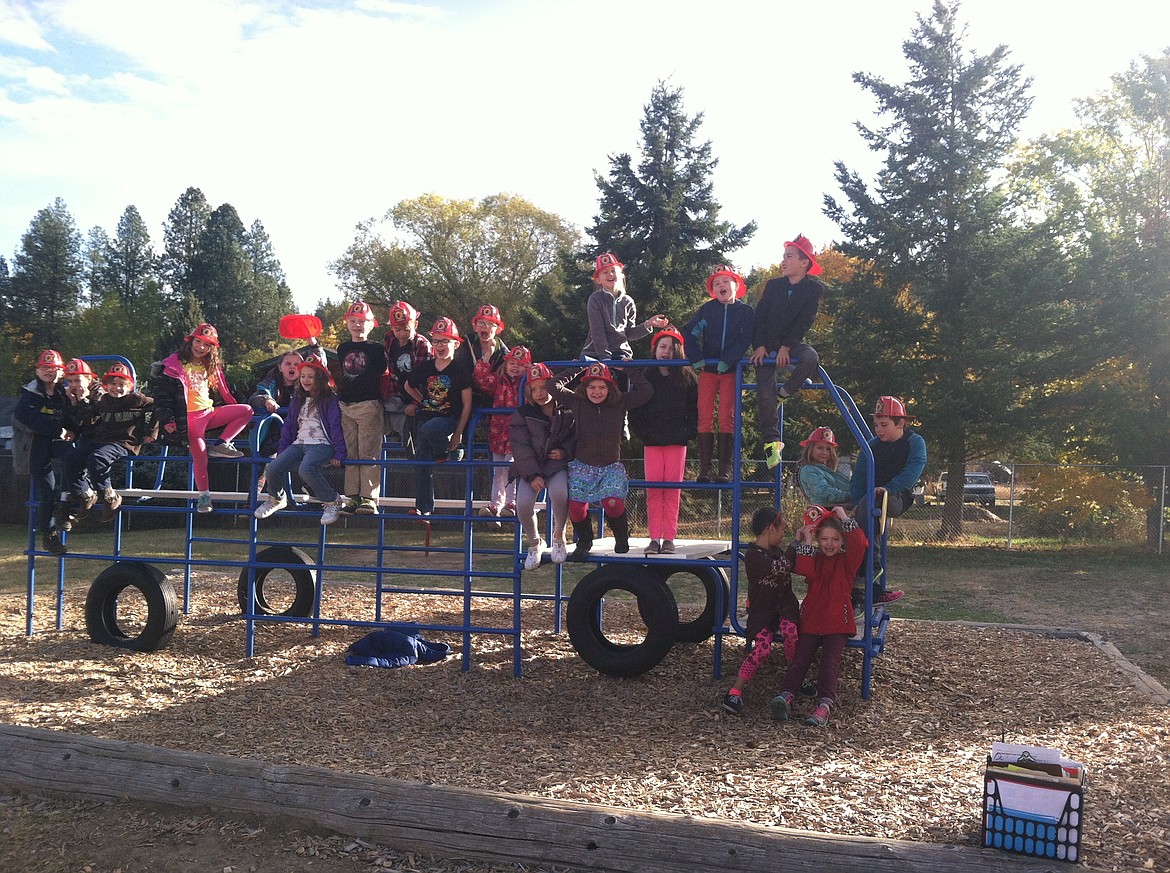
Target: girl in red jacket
<point>826,616</point>
<point>502,383</point>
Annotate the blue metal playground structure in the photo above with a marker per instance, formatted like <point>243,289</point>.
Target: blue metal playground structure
<point>393,564</point>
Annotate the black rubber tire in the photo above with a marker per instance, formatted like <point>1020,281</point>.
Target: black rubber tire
<point>655,605</point>
<point>297,564</point>
<point>162,607</point>
<point>702,627</point>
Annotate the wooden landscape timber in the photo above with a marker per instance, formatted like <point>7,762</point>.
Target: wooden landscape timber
<point>452,822</point>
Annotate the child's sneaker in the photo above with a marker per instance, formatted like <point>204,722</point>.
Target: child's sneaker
<point>224,450</point>
<point>509,511</point>
<point>888,596</point>
<point>559,553</point>
<point>86,500</point>
<point>782,706</point>
<point>348,505</point>
<point>534,552</point>
<point>772,452</point>
<point>332,511</point>
<point>268,507</point>
<point>488,512</point>
<point>203,504</point>
<point>112,499</point>
<point>733,703</point>
<point>62,518</point>
<point>819,717</point>
<point>667,547</point>
<point>366,506</point>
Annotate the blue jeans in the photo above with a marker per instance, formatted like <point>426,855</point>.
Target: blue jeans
<point>97,459</point>
<point>47,454</point>
<point>308,460</point>
<point>434,439</point>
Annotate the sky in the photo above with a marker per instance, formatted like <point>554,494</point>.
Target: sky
<point>312,116</point>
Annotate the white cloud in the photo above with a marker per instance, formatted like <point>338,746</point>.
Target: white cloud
<point>19,28</point>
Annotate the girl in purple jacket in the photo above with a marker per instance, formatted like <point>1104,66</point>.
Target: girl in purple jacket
<point>310,440</point>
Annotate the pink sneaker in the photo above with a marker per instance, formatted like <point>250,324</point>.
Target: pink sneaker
<point>892,595</point>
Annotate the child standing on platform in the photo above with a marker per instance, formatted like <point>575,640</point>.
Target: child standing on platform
<point>40,411</point>
<point>441,390</point>
<point>359,391</point>
<point>772,606</point>
<point>312,438</point>
<point>596,473</point>
<point>829,555</point>
<point>722,328</point>
<point>787,309</point>
<point>502,384</point>
<point>543,435</point>
<point>182,387</point>
<point>406,349</point>
<point>666,424</point>
<point>613,315</point>
<point>117,424</point>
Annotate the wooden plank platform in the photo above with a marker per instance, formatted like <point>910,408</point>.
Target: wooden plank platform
<point>453,822</point>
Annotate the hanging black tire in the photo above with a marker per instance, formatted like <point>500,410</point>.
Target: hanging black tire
<point>161,606</point>
<point>656,606</point>
<point>712,578</point>
<point>296,564</point>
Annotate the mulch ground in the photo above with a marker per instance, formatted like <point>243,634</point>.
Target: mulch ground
<point>905,765</point>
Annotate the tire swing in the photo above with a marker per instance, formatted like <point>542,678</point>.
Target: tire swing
<point>656,607</point>
<point>712,578</point>
<point>297,565</point>
<point>102,608</point>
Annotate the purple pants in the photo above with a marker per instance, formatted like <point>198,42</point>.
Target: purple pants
<point>832,648</point>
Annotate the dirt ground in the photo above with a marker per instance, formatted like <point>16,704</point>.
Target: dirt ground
<point>905,765</point>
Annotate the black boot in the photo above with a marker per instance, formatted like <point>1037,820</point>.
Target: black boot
<point>52,542</point>
<point>584,532</point>
<point>726,444</point>
<point>63,515</point>
<point>620,525</point>
<point>706,444</point>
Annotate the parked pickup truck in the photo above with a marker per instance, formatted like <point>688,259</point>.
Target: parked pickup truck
<point>977,488</point>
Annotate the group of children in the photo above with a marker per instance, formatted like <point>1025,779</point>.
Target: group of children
<point>563,435</point>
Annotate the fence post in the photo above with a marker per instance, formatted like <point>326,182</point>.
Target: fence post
<point>1162,512</point>
<point>1012,505</point>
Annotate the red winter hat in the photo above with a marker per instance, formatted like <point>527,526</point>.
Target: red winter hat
<point>402,313</point>
<point>315,364</point>
<point>597,371</point>
<point>51,358</point>
<point>821,435</point>
<point>487,312</point>
<point>671,331</point>
<point>444,328</point>
<point>890,407</point>
<point>604,262</point>
<point>539,373</point>
<point>520,355</point>
<point>805,245</point>
<point>78,367</point>
<point>362,310</point>
<point>205,332</point>
<point>724,270</point>
<point>815,514</point>
<point>120,370</point>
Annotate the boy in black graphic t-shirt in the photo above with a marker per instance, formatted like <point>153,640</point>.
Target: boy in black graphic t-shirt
<point>359,391</point>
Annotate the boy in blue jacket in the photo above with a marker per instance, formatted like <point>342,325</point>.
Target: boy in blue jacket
<point>722,329</point>
<point>40,410</point>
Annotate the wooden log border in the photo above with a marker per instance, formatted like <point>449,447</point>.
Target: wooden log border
<point>453,822</point>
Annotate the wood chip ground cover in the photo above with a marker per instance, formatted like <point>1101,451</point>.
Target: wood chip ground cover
<point>905,765</point>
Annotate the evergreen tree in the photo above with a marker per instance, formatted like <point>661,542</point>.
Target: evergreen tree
<point>96,253</point>
<point>271,295</point>
<point>661,217</point>
<point>181,234</point>
<point>221,279</point>
<point>132,263</point>
<point>47,277</point>
<point>957,307</point>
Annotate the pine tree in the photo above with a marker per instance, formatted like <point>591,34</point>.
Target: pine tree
<point>132,263</point>
<point>938,308</point>
<point>96,254</point>
<point>661,217</point>
<point>47,276</point>
<point>181,233</point>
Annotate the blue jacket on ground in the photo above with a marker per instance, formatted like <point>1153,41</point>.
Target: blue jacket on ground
<point>391,648</point>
